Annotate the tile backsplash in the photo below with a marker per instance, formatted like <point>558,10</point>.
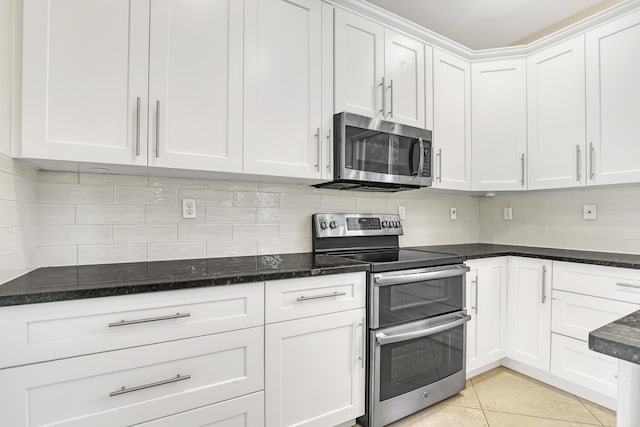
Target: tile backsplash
<point>99,218</point>
<point>555,219</point>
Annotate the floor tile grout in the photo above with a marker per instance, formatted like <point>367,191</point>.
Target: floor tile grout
<point>589,410</point>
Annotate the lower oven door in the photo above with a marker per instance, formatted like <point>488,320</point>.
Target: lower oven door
<point>416,365</point>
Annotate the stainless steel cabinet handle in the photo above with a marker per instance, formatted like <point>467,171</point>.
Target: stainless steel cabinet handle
<point>149,319</point>
<point>389,339</point>
<point>475,283</point>
<point>544,284</point>
<point>317,136</point>
<point>391,109</point>
<point>138,101</point>
<point>384,98</point>
<point>592,152</point>
<point>363,344</point>
<point>628,285</point>
<point>331,295</point>
<point>439,156</point>
<point>157,129</point>
<point>578,171</point>
<point>329,151</point>
<point>125,390</point>
<point>358,351</point>
<point>522,172</point>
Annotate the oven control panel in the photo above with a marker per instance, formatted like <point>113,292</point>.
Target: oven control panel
<point>344,225</point>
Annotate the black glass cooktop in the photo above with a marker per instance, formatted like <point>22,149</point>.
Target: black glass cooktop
<point>398,259</point>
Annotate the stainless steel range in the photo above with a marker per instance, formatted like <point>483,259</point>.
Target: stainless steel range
<point>417,323</point>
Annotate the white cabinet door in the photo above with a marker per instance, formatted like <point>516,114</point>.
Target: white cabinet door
<point>556,101</point>
<point>452,121</point>
<point>499,130</point>
<point>404,77</point>
<point>529,312</point>
<point>84,92</point>
<point>359,65</point>
<point>282,84</point>
<point>613,101</point>
<point>315,374</point>
<point>487,304</point>
<point>195,85</point>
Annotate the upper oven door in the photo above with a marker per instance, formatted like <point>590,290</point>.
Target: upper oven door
<point>378,151</point>
<point>408,295</point>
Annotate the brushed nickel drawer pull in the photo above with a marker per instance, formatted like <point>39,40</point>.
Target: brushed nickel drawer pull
<point>149,319</point>
<point>125,390</point>
<point>544,284</point>
<point>332,294</point>
<point>628,285</point>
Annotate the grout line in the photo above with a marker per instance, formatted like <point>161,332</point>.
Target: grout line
<point>545,418</point>
<point>589,410</point>
<point>484,414</point>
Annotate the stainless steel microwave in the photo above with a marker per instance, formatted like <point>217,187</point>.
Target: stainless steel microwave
<point>376,155</point>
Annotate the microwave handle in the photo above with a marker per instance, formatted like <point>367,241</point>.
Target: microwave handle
<point>383,339</point>
<point>420,143</point>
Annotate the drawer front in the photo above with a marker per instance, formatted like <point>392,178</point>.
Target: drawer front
<point>297,298</point>
<point>621,284</point>
<point>41,332</point>
<point>88,390</point>
<point>573,361</point>
<point>576,315</point>
<point>245,411</point>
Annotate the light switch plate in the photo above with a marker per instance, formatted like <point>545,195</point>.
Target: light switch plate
<point>189,208</point>
<point>454,214</point>
<point>402,212</point>
<point>590,212</point>
<point>508,214</point>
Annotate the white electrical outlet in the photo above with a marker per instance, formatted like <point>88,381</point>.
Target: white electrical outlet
<point>402,212</point>
<point>590,212</point>
<point>454,214</point>
<point>508,214</point>
<point>189,208</point>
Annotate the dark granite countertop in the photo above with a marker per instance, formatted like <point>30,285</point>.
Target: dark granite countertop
<point>620,339</point>
<point>92,281</point>
<point>487,250</point>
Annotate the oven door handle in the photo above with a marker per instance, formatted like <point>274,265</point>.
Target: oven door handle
<point>382,280</point>
<point>383,339</point>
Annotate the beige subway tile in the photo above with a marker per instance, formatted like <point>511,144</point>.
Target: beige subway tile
<point>165,181</point>
<point>347,204</point>
<point>178,250</point>
<point>75,194</point>
<point>172,215</point>
<point>254,199</point>
<point>56,214</point>
<point>140,196</point>
<point>58,177</point>
<point>144,233</point>
<point>255,231</point>
<point>109,254</point>
<point>60,235</point>
<point>207,198</point>
<point>282,246</point>
<point>204,232</point>
<point>230,215</point>
<point>110,214</point>
<point>52,256</point>
<point>110,179</point>
<point>229,248</point>
<point>296,201</point>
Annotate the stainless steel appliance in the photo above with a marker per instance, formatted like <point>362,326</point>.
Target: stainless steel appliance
<point>376,155</point>
<point>417,323</point>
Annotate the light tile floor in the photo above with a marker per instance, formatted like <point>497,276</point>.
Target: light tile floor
<point>504,398</point>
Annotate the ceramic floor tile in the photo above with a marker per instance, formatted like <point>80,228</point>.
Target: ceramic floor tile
<point>445,415</point>
<point>606,416</point>
<point>507,391</point>
<point>499,419</point>
<point>467,398</point>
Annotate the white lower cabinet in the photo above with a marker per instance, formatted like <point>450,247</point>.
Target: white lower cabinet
<point>315,370</point>
<point>129,386</point>
<point>245,411</point>
<point>572,360</point>
<point>487,304</point>
<point>529,312</point>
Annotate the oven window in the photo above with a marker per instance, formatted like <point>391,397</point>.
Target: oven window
<point>409,365</point>
<point>420,300</point>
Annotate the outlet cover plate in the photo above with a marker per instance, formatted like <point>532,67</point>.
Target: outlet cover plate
<point>508,214</point>
<point>189,208</point>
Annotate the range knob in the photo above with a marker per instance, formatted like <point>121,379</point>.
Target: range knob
<point>333,225</point>
<point>397,224</point>
<point>385,224</point>
<point>324,225</point>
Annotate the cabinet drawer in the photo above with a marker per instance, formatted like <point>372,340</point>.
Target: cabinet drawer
<point>573,361</point>
<point>298,298</point>
<point>89,390</point>
<point>576,315</point>
<point>245,411</point>
<point>41,332</point>
<point>622,284</point>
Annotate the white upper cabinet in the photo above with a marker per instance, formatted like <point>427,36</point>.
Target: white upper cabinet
<point>358,65</point>
<point>85,80</point>
<point>452,121</point>
<point>556,100</point>
<point>499,130</point>
<point>613,101</point>
<point>405,80</point>
<point>282,88</point>
<point>195,85</point>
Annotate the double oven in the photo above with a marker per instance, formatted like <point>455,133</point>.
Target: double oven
<point>417,323</point>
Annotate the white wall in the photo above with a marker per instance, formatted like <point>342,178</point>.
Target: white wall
<point>554,219</point>
<point>96,218</point>
<point>6,29</point>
